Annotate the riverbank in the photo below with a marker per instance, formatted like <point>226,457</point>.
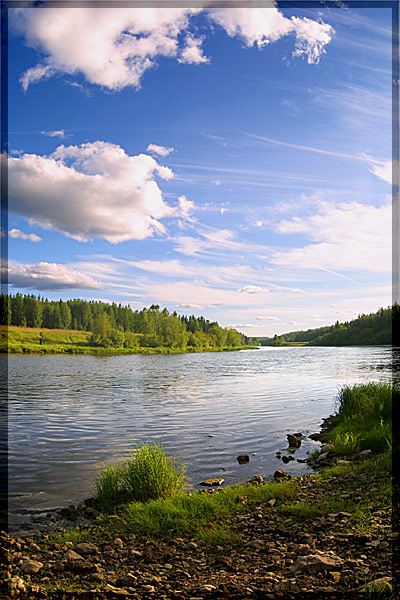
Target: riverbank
<point>326,534</point>
<point>34,340</point>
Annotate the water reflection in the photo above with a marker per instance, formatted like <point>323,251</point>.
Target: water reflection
<point>70,414</point>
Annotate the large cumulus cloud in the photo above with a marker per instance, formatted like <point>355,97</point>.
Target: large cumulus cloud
<point>88,191</point>
<point>114,47</point>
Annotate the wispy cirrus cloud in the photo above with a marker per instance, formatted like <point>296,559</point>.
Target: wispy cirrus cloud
<point>346,237</point>
<point>56,133</point>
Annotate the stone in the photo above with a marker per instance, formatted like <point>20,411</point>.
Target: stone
<point>86,548</point>
<point>365,454</point>
<point>118,543</point>
<point>72,555</point>
<point>241,500</point>
<point>279,474</point>
<point>322,457</point>
<point>335,576</point>
<point>115,590</point>
<point>316,562</point>
<point>257,479</point>
<point>127,580</point>
<point>272,501</point>
<point>294,441</point>
<point>243,458</point>
<point>16,584</point>
<point>206,588</point>
<point>382,584</point>
<point>213,481</point>
<point>326,448</point>
<point>31,566</point>
<point>34,547</point>
<point>285,459</point>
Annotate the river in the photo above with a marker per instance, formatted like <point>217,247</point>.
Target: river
<point>70,415</point>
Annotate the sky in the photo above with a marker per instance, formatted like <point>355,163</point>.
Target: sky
<point>234,163</point>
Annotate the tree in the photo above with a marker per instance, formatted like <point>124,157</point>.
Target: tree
<point>5,310</point>
<point>18,311</point>
<point>32,312</point>
<point>101,330</point>
<point>65,315</point>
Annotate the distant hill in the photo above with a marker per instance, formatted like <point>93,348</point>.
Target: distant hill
<point>367,330</point>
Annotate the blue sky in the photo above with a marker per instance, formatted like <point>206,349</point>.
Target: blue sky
<point>234,163</point>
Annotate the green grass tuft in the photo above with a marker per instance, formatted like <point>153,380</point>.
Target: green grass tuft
<point>364,418</point>
<point>149,474</point>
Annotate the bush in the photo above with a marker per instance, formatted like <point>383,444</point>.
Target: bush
<point>148,475</point>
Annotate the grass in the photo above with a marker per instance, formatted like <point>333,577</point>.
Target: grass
<point>147,475</point>
<point>144,495</point>
<point>364,418</point>
<point>26,340</point>
<point>197,513</point>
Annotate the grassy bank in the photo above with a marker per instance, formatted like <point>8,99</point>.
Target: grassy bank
<point>363,421</point>
<point>26,340</point>
<point>254,540</point>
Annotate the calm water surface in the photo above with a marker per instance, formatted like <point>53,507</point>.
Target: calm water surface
<point>70,415</point>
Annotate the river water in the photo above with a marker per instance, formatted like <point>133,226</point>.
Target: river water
<point>70,415</point>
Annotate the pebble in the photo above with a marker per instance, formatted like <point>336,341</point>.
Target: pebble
<point>31,566</point>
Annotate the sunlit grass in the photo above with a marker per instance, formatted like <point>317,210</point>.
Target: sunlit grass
<point>147,475</point>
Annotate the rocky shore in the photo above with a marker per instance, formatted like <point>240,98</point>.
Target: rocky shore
<point>280,548</point>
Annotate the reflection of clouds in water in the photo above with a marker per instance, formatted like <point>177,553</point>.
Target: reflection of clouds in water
<point>61,433</point>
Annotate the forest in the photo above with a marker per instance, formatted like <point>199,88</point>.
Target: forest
<point>367,330</point>
<point>113,325</point>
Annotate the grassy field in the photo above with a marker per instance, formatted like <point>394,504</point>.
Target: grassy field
<point>26,340</point>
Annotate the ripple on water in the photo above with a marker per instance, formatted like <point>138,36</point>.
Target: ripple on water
<point>68,415</point>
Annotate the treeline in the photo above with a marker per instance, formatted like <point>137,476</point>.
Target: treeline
<point>374,329</point>
<point>116,325</point>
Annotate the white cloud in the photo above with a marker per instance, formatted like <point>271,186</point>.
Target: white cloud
<point>111,48</point>
<point>382,169</point>
<point>215,242</point>
<point>262,26</point>
<point>267,319</point>
<point>35,74</point>
<point>192,53</point>
<point>253,289</point>
<point>348,237</point>
<point>185,207</point>
<point>50,276</point>
<point>191,306</point>
<point>114,48</point>
<point>216,182</point>
<point>160,150</point>
<point>91,190</point>
<point>240,325</point>
<point>18,234</point>
<point>57,133</point>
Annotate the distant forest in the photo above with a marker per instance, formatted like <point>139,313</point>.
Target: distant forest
<point>116,325</point>
<point>367,330</point>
